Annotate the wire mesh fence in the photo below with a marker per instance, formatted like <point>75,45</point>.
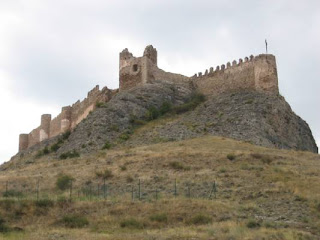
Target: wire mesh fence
<point>136,191</point>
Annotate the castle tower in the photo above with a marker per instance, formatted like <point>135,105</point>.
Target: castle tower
<point>151,53</point>
<point>135,71</point>
<point>23,141</point>
<point>45,127</point>
<point>125,57</point>
<point>265,73</point>
<point>65,119</point>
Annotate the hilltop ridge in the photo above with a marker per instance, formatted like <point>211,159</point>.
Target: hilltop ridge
<point>242,102</point>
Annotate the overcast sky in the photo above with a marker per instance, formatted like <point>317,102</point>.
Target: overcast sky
<point>52,52</point>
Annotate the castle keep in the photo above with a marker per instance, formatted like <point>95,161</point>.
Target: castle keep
<point>256,73</point>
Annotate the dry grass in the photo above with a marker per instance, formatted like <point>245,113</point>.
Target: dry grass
<point>277,188</point>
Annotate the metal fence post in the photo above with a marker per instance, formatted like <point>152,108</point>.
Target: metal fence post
<point>38,189</point>
<point>104,189</point>
<point>71,190</point>
<point>139,191</point>
<point>7,188</point>
<point>175,188</point>
<point>156,194</point>
<point>132,193</point>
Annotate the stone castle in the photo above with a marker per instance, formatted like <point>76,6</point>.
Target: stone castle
<point>255,73</point>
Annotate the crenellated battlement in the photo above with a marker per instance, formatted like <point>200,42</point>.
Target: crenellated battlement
<point>255,72</point>
<point>221,68</point>
<point>68,119</point>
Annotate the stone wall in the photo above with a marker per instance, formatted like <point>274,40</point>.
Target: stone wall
<point>256,73</point>
<point>68,119</point>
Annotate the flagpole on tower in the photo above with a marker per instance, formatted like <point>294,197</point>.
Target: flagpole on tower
<point>266,46</point>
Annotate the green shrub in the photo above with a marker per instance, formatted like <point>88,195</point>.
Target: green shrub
<point>74,221</point>
<point>44,203</point>
<point>191,104</point>
<point>115,128</point>
<point>106,174</point>
<point>3,227</point>
<point>55,147</point>
<point>70,154</point>
<point>64,182</point>
<point>66,135</point>
<point>200,219</point>
<point>256,155</point>
<point>123,168</point>
<point>46,150</point>
<point>165,108</point>
<point>99,104</point>
<point>178,166</point>
<point>135,121</point>
<point>7,204</point>
<point>253,224</point>
<point>152,113</point>
<point>63,202</point>
<point>129,179</point>
<point>39,154</point>
<point>12,193</point>
<point>161,217</point>
<point>300,198</point>
<point>124,136</point>
<point>249,101</point>
<point>131,223</point>
<point>107,145</point>
<point>264,158</point>
<point>231,156</point>
<point>270,224</point>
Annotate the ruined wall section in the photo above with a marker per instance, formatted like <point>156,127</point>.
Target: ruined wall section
<point>132,73</point>
<point>256,73</point>
<point>68,119</point>
<point>157,74</point>
<point>137,71</point>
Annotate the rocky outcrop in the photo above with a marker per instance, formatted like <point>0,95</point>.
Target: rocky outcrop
<point>259,118</point>
<point>113,123</point>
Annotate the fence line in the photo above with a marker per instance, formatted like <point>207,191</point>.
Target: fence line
<point>139,190</point>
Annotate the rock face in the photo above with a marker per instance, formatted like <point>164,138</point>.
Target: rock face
<point>259,118</point>
<point>112,123</point>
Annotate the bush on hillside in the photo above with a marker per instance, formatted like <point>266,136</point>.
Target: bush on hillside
<point>64,182</point>
<point>106,174</point>
<point>191,104</point>
<point>74,221</point>
<point>69,154</point>
<point>200,219</point>
<point>131,223</point>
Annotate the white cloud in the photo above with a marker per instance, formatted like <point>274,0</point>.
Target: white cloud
<point>53,52</point>
<point>18,116</point>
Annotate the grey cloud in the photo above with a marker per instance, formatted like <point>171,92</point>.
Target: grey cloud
<point>58,54</point>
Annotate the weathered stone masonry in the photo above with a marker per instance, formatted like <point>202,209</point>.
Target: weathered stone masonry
<point>69,117</point>
<point>256,73</point>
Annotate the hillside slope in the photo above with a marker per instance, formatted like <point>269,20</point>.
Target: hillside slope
<point>262,193</point>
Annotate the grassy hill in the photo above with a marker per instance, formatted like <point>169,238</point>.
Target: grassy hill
<point>261,193</point>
